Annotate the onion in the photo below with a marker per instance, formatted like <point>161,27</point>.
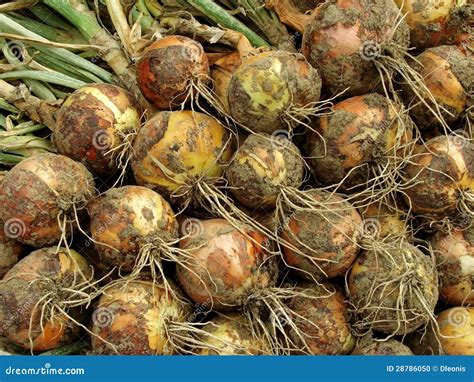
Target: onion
<point>170,69</point>
<point>42,296</point>
<point>132,227</point>
<point>228,335</point>
<point>221,74</point>
<point>40,198</point>
<point>447,75</point>
<point>348,40</point>
<point>456,331</point>
<point>374,347</point>
<point>318,323</point>
<point>455,261</point>
<point>436,22</point>
<point>133,318</point>
<point>262,168</point>
<point>322,242</point>
<point>383,221</point>
<point>175,152</point>
<point>273,90</point>
<point>364,143</point>
<point>94,126</point>
<point>226,264</point>
<point>10,251</point>
<point>394,288</point>
<point>442,178</point>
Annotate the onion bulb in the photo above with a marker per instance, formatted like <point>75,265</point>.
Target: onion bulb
<point>41,196</point>
<point>42,299</point>
<point>170,69</point>
<point>94,126</point>
<point>134,318</point>
<point>394,288</point>
<point>273,90</point>
<point>454,253</point>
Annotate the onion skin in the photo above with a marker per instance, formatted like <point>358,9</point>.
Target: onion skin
<point>386,263</point>
<point>455,262</point>
<point>132,316</point>
<point>362,130</point>
<point>447,73</point>
<point>440,170</point>
<point>456,327</point>
<point>167,68</point>
<point>390,347</point>
<point>22,288</point>
<point>436,22</point>
<point>268,85</point>
<point>261,168</point>
<point>190,144</point>
<point>333,40</point>
<point>90,123</point>
<point>221,74</point>
<point>230,265</point>
<point>328,331</point>
<point>331,235</point>
<point>126,219</point>
<point>230,335</point>
<point>37,190</point>
<point>10,252</point>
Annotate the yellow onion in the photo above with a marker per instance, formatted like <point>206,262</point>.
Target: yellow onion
<point>40,195</point>
<point>441,177</point>
<point>168,69</point>
<point>363,133</point>
<point>175,150</point>
<point>36,292</point>
<point>321,321</point>
<point>267,90</point>
<point>128,222</point>
<point>374,347</point>
<point>132,318</point>
<point>456,331</point>
<point>10,251</point>
<point>262,167</point>
<point>455,261</point>
<point>447,74</point>
<point>436,22</point>
<point>322,243</point>
<point>93,124</point>
<point>393,287</point>
<point>229,335</point>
